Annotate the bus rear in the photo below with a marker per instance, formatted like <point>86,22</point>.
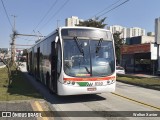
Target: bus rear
<point>88,61</point>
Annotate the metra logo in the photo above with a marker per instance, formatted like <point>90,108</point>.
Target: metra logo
<point>85,83</point>
<point>89,84</point>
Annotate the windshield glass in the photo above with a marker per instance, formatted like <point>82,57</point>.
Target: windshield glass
<point>75,63</point>
<point>90,63</point>
<point>103,63</point>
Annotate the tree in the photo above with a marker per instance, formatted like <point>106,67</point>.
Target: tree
<point>118,44</point>
<point>93,23</point>
<point>6,62</point>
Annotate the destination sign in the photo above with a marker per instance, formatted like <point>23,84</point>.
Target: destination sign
<point>72,32</point>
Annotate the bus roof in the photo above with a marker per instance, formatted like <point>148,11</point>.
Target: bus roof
<point>66,27</point>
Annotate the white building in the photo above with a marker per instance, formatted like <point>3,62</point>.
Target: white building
<point>127,32</point>
<point>72,21</point>
<point>135,31</point>
<point>118,28</point>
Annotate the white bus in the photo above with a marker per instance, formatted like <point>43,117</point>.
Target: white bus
<point>75,60</point>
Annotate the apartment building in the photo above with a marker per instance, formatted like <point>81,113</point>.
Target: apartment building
<point>72,21</point>
<point>127,32</point>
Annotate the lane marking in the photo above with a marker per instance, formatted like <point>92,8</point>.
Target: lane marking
<point>142,103</point>
<point>39,107</point>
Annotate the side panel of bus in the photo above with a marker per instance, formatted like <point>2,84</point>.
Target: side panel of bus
<point>43,61</point>
<point>54,63</point>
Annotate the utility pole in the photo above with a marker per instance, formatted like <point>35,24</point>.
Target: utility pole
<point>13,49</point>
<point>13,40</point>
<point>14,25</point>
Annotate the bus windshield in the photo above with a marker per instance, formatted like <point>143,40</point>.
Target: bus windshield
<point>90,62</point>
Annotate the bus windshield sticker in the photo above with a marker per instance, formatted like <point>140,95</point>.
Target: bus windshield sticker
<point>83,74</point>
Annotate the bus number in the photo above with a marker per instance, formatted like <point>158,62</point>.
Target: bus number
<point>98,83</point>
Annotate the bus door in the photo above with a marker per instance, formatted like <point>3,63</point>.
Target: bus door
<point>54,66</point>
<point>27,60</point>
<point>30,62</point>
<point>38,62</point>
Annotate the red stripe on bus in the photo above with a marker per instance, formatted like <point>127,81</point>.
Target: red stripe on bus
<point>89,79</point>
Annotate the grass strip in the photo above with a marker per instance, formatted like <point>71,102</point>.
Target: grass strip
<point>152,83</point>
<point>19,89</point>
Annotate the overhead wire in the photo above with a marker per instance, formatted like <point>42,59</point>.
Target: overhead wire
<point>113,8</point>
<point>68,1</point>
<point>42,19</point>
<point>46,14</point>
<point>7,14</point>
<point>55,14</point>
<point>109,6</point>
<point>96,14</point>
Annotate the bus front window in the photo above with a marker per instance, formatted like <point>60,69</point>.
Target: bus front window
<point>103,62</point>
<point>76,63</point>
<point>91,62</point>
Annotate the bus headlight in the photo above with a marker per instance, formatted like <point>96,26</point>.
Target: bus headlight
<point>109,82</point>
<point>73,83</point>
<point>69,82</point>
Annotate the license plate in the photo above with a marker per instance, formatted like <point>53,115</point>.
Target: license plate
<point>91,89</point>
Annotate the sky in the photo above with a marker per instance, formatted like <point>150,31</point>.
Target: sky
<point>41,16</point>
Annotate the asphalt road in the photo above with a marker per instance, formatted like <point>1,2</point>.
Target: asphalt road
<point>126,98</point>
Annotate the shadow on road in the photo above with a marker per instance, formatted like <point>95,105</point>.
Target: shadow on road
<point>76,98</point>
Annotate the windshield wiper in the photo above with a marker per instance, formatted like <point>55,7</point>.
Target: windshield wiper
<point>79,45</point>
<point>87,70</point>
<point>99,45</point>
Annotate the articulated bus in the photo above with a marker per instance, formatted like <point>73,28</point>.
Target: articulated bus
<point>75,60</point>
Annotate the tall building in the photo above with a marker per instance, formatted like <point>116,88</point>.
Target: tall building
<point>127,32</point>
<point>135,31</point>
<point>118,28</point>
<point>72,21</point>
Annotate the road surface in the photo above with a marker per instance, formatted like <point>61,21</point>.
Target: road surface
<point>140,101</point>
